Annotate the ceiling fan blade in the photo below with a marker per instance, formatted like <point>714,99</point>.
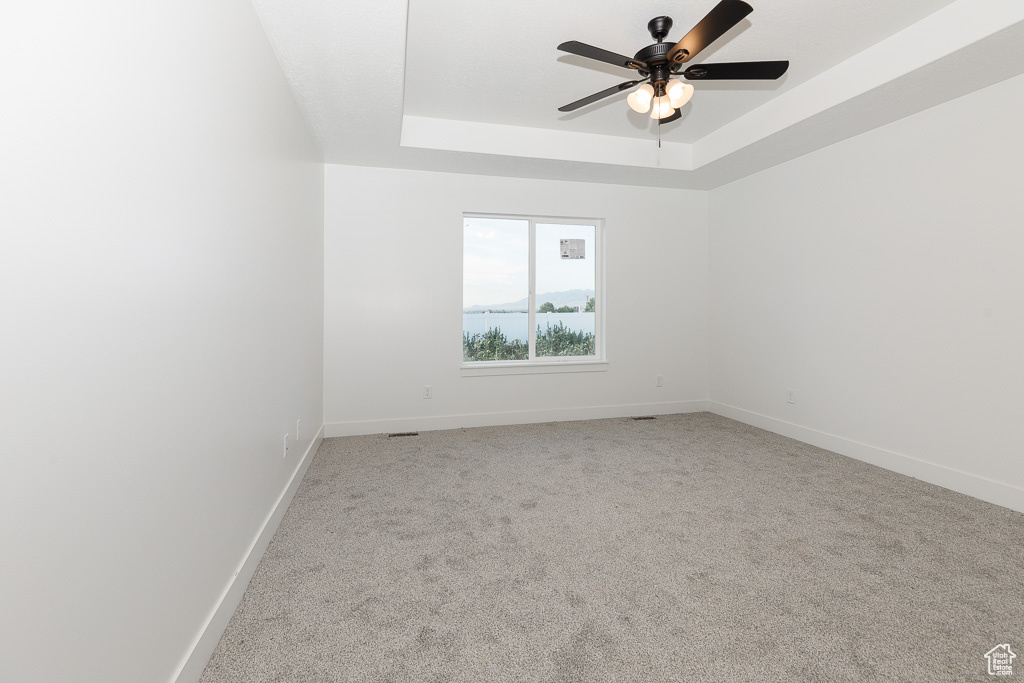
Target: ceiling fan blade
<point>762,71</point>
<point>591,52</point>
<point>669,119</point>
<point>723,17</point>
<point>599,95</point>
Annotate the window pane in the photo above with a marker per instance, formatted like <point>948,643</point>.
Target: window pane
<point>495,289</point>
<point>566,283</point>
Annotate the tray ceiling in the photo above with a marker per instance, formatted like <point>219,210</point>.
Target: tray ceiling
<point>497,62</point>
<point>465,86</point>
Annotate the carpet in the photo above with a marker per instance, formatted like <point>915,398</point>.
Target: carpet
<point>685,548</point>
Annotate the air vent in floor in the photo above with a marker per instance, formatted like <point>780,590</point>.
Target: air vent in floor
<point>645,417</point>
<point>390,436</point>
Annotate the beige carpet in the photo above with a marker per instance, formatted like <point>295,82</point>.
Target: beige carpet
<point>686,548</point>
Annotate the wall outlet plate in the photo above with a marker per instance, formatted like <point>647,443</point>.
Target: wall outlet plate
<point>427,391</point>
<point>285,446</point>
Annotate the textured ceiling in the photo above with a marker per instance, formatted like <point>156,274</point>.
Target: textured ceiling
<point>473,79</point>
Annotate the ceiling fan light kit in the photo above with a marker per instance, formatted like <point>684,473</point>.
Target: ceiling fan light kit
<point>640,99</point>
<point>662,94</point>
<point>679,93</point>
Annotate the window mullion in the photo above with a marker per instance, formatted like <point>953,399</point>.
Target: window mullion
<point>599,288</point>
<point>532,318</point>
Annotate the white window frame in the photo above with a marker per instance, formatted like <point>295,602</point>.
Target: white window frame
<point>550,364</point>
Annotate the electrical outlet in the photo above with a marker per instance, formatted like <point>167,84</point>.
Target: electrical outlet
<point>285,446</point>
<point>790,396</point>
<point>659,382</point>
<point>298,429</point>
<point>427,391</point>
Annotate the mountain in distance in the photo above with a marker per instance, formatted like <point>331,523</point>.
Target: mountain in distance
<point>572,297</point>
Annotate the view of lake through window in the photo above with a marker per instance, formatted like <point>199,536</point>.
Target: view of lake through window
<point>498,322</point>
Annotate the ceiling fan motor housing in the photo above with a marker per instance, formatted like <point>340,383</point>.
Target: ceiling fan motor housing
<point>656,58</point>
<point>654,53</point>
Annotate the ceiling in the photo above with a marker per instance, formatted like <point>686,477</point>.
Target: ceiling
<point>472,87</point>
<point>453,47</point>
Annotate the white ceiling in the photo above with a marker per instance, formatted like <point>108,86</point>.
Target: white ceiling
<point>473,87</point>
<point>497,62</point>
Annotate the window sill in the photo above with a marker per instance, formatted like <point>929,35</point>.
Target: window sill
<point>534,368</point>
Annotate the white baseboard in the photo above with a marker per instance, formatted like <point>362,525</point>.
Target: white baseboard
<point>514,417</point>
<point>940,475</point>
<point>202,647</point>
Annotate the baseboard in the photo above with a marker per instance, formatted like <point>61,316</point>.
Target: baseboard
<point>513,417</point>
<point>947,477</point>
<point>195,660</point>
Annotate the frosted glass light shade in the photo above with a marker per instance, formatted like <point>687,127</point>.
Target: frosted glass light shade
<point>674,89</point>
<point>644,95</point>
<point>679,93</point>
<point>633,100</point>
<point>661,108</point>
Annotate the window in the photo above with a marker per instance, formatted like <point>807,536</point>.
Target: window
<point>531,291</point>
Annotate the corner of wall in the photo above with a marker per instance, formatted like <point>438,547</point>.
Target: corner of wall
<point>198,655</point>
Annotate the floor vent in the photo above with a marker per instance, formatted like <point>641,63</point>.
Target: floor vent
<point>645,417</point>
<point>393,435</point>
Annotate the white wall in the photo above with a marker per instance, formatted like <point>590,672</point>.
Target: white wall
<point>393,322</point>
<point>160,298</point>
<point>881,279</point>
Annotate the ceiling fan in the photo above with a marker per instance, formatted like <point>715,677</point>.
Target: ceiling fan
<point>656,64</point>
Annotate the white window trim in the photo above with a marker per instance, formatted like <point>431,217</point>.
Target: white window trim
<point>525,367</point>
<point>596,363</point>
